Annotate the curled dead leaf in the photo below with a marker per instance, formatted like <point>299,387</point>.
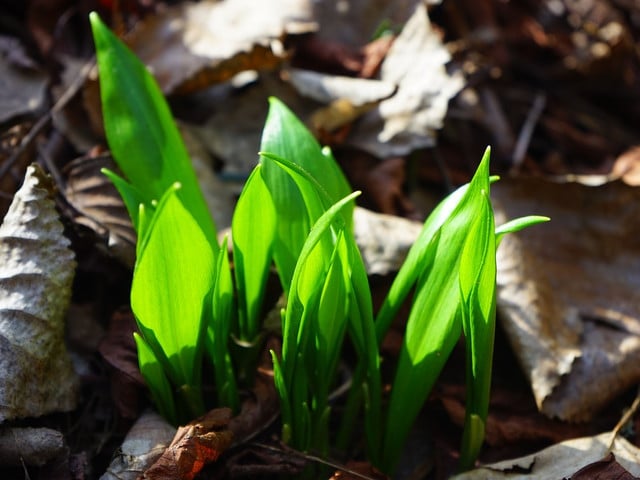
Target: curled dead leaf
<point>98,206</point>
<point>194,45</point>
<point>36,271</point>
<point>569,292</point>
<point>194,445</point>
<point>563,460</point>
<point>408,119</point>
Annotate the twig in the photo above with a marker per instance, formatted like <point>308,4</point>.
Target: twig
<point>524,138</point>
<point>313,458</point>
<point>625,418</point>
<point>62,102</point>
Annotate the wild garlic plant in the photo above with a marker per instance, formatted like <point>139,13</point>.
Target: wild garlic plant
<point>295,213</point>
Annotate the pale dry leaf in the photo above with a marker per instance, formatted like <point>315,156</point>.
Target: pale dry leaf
<point>347,98</point>
<point>325,88</point>
<point>560,461</point>
<point>569,291</point>
<point>30,446</point>
<point>143,445</point>
<point>194,45</point>
<point>98,205</point>
<point>627,167</point>
<point>383,240</point>
<point>36,272</point>
<point>408,120</point>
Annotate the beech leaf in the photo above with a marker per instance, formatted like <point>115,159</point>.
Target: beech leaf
<point>37,269</point>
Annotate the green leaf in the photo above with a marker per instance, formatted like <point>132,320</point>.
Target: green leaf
<point>434,323</point>
<point>518,224</point>
<point>223,312</point>
<point>313,327</point>
<point>285,137</point>
<point>156,380</point>
<point>140,129</point>
<point>172,283</point>
<point>253,227</point>
<point>304,289</point>
<point>416,261</point>
<point>478,293</point>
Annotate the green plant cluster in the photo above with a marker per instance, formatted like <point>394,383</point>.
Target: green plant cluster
<point>295,212</point>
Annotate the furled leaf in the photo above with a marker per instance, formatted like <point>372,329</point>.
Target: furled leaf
<point>253,233</point>
<point>307,326</point>
<point>434,324</point>
<point>36,271</point>
<point>222,317</point>
<point>478,293</point>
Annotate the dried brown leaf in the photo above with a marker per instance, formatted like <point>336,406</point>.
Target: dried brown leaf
<point>98,205</point>
<point>606,469</point>
<point>627,167</point>
<point>408,120</point>
<point>37,269</point>
<point>232,133</point>
<point>194,446</point>
<point>383,240</point>
<point>513,418</point>
<point>258,411</point>
<point>119,351</point>
<point>325,88</point>
<point>194,45</point>
<point>562,460</point>
<point>569,291</point>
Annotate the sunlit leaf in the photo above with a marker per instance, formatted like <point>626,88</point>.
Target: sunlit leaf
<point>157,382</point>
<point>286,137</point>
<point>172,283</point>
<point>140,129</point>
<point>253,227</point>
<point>222,316</point>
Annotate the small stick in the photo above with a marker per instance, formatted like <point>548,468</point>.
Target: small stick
<point>539,102</point>
<point>625,418</point>
<point>313,458</point>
